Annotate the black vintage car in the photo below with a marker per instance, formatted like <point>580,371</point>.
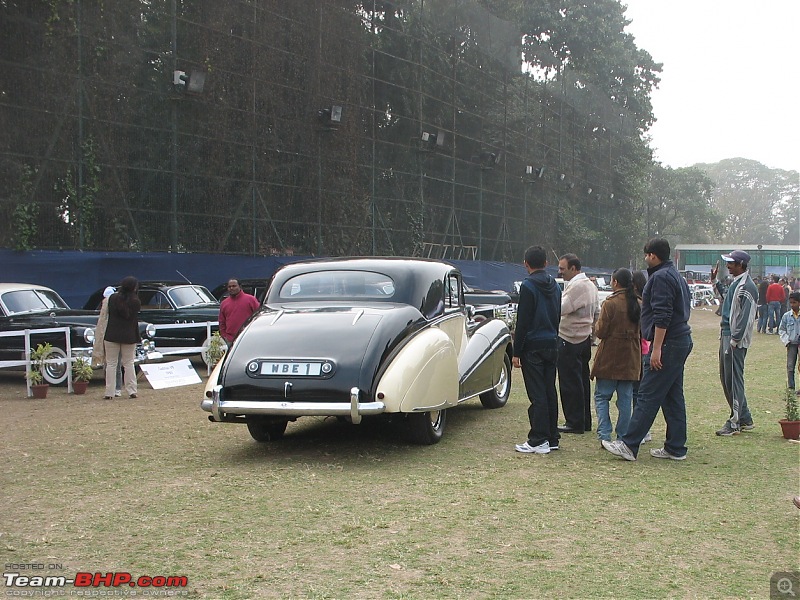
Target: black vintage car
<point>357,337</point>
<point>26,306</point>
<point>179,311</point>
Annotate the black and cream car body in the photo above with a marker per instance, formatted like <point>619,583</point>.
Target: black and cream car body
<point>357,337</point>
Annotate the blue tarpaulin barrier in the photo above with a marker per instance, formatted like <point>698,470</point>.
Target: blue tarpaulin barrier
<point>76,275</point>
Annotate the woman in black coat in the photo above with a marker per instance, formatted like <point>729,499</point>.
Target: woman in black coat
<point>122,335</point>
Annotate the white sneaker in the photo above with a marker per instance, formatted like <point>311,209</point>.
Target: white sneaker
<point>648,438</point>
<point>661,453</point>
<point>118,393</point>
<point>526,448</point>
<point>619,448</point>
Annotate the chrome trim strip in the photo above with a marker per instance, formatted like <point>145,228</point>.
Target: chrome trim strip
<point>355,416</point>
<point>441,406</point>
<point>355,411</point>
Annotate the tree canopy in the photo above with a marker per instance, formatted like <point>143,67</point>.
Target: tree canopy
<point>462,128</point>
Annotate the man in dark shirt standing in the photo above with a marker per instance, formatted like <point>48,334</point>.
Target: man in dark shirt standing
<point>666,306</point>
<point>536,351</point>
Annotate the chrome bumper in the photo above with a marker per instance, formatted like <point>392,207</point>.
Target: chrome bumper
<point>354,409</point>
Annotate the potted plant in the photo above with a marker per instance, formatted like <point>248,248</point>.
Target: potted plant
<point>214,349</point>
<point>791,424</point>
<point>35,374</point>
<point>82,373</point>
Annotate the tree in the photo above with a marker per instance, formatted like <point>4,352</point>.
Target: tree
<point>677,205</point>
<point>760,204</point>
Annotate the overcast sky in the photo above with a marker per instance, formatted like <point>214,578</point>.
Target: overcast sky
<point>729,86</point>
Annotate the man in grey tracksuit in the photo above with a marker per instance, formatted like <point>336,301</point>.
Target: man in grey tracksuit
<point>738,315</point>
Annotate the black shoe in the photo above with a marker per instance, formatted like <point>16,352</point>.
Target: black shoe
<point>565,429</point>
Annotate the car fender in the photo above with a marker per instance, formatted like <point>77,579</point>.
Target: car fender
<point>422,376</point>
<point>212,379</point>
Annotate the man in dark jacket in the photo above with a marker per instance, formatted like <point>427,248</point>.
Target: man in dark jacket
<point>536,351</point>
<point>666,306</point>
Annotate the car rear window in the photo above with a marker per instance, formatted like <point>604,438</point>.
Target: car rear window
<point>338,285</point>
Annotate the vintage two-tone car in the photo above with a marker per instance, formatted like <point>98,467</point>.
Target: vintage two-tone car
<point>358,337</point>
<point>24,306</point>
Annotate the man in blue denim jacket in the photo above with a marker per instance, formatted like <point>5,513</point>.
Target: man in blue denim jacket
<point>789,330</point>
<point>666,306</point>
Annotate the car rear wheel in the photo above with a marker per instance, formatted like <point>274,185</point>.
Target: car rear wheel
<point>264,430</point>
<point>55,373</point>
<point>498,395</point>
<point>426,428</point>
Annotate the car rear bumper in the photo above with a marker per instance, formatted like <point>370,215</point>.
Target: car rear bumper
<point>219,409</point>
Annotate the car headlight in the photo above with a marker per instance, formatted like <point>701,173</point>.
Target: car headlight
<point>88,335</point>
<point>150,330</point>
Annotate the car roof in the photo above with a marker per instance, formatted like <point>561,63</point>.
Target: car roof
<point>166,283</point>
<point>6,287</point>
<point>412,276</point>
<point>394,266</point>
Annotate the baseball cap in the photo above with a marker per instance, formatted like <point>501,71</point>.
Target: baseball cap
<point>737,256</point>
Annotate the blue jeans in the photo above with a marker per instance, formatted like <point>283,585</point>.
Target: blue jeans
<point>774,314</point>
<point>662,389</point>
<point>731,374</point>
<point>539,374</point>
<point>763,312</point>
<point>603,390</point>
<point>791,362</point>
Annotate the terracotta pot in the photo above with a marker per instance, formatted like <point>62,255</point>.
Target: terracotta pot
<point>79,387</point>
<point>791,429</point>
<point>40,390</point>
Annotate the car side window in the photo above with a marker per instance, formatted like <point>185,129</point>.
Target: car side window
<point>153,300</point>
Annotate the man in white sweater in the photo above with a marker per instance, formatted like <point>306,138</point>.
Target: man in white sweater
<point>579,309</point>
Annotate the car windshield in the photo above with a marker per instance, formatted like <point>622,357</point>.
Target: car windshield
<point>338,285</point>
<point>190,295</point>
<point>23,301</point>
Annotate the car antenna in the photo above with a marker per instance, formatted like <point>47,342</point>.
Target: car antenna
<point>554,253</point>
<point>184,276</point>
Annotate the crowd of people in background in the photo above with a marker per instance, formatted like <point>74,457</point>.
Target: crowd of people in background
<point>645,340</point>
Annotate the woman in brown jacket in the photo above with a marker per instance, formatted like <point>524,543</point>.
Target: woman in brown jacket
<point>618,361</point>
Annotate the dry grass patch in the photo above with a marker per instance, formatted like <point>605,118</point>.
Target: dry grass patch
<point>337,511</point>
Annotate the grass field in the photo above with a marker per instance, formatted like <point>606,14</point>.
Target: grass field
<point>150,487</point>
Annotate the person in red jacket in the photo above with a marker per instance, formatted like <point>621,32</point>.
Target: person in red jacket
<point>776,296</point>
<point>235,310</point>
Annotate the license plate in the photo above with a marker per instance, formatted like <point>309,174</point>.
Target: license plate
<point>293,369</point>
